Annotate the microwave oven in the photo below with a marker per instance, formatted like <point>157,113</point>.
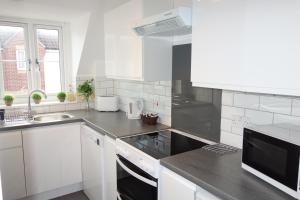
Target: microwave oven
<point>272,153</point>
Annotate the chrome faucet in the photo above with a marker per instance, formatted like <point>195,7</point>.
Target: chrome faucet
<point>29,99</point>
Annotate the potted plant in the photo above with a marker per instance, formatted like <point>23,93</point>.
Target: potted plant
<point>61,96</point>
<point>8,100</point>
<point>37,97</point>
<point>86,91</point>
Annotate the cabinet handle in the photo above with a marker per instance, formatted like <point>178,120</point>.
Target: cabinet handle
<point>98,142</point>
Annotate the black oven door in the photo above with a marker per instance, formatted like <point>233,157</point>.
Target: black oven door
<point>273,157</point>
<point>133,183</point>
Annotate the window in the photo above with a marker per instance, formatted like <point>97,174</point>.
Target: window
<point>30,58</point>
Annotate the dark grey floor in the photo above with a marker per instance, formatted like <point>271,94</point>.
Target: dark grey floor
<point>74,196</point>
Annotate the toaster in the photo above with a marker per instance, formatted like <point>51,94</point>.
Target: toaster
<point>107,103</point>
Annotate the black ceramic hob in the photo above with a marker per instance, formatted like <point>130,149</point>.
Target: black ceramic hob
<point>163,143</point>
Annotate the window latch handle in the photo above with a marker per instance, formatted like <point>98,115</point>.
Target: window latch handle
<point>38,64</point>
<point>29,64</point>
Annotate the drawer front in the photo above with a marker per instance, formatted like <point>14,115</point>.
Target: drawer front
<point>10,139</point>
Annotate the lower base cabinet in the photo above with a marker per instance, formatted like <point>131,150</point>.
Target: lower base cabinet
<point>52,156</point>
<point>12,166</point>
<point>92,163</point>
<point>174,187</point>
<point>110,169</point>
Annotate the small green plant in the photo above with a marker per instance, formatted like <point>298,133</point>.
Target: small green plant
<point>86,91</point>
<point>37,97</point>
<point>61,96</point>
<point>8,100</point>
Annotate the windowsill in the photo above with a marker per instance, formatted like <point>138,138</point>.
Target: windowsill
<point>51,103</point>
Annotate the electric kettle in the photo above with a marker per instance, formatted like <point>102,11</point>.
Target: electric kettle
<point>135,108</point>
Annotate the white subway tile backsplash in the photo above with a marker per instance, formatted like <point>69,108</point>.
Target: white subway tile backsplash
<point>260,109</point>
<point>239,130</point>
<point>229,112</point>
<point>156,95</point>
<point>168,91</point>
<point>149,89</point>
<point>279,119</point>
<point>73,106</point>
<point>276,104</point>
<point>159,90</point>
<point>227,98</point>
<point>101,92</point>
<point>57,108</point>
<point>259,117</point>
<point>296,107</point>
<point>226,124</point>
<point>245,100</point>
<point>165,83</point>
<point>231,139</point>
<point>110,91</point>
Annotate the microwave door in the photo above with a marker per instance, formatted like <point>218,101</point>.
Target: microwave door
<point>275,158</point>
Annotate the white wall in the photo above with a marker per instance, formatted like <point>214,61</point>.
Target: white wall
<point>92,56</point>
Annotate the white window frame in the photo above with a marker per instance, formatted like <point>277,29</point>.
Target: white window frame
<point>27,52</point>
<point>61,54</point>
<point>30,26</point>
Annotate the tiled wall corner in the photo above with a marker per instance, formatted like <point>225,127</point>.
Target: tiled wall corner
<point>156,96</point>
<point>240,109</point>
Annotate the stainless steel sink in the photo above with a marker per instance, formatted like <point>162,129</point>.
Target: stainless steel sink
<point>51,117</point>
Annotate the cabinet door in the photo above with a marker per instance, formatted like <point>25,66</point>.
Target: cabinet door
<point>52,157</point>
<point>12,173</point>
<point>110,169</point>
<point>175,187</point>
<point>123,48</point>
<point>236,46</point>
<point>92,163</point>
<point>204,195</point>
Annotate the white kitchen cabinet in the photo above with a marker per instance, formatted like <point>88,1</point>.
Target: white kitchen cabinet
<point>52,157</point>
<point>110,169</point>
<point>92,144</point>
<point>238,46</point>
<point>205,195</point>
<point>175,187</point>
<point>129,56</point>
<point>183,3</point>
<point>12,166</point>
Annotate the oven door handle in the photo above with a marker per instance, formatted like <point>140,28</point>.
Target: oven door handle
<point>141,178</point>
<point>119,196</point>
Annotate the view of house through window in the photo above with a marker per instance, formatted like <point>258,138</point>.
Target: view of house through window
<point>13,77</point>
<point>22,70</point>
<point>48,59</point>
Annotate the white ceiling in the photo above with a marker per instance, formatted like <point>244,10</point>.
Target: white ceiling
<point>62,10</point>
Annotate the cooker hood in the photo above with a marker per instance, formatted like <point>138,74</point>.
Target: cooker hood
<point>173,22</point>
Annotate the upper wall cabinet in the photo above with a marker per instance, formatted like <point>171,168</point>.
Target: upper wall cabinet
<point>129,56</point>
<point>249,45</point>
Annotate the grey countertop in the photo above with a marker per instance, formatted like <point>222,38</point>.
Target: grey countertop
<point>222,175</point>
<point>114,124</point>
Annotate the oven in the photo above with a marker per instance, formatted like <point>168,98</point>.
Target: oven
<point>133,183</point>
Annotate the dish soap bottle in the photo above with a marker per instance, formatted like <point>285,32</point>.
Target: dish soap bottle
<point>71,97</point>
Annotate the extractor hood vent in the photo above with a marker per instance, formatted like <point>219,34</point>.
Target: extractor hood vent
<point>175,22</point>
